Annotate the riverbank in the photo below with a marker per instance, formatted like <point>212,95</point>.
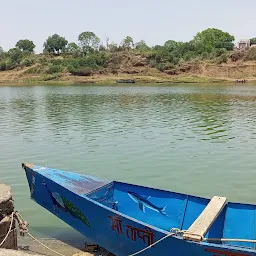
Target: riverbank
<point>188,72</point>
<point>108,80</point>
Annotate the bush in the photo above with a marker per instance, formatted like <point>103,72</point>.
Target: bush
<point>238,55</point>
<point>55,69</point>
<point>152,63</point>
<point>3,66</point>
<point>160,67</point>
<point>34,70</point>
<point>251,54</point>
<point>43,60</point>
<point>187,56</point>
<point>72,63</point>
<point>10,64</point>
<point>218,52</point>
<point>81,72</point>
<point>204,55</point>
<point>56,62</point>
<point>176,60</point>
<point>27,62</point>
<point>222,59</point>
<point>88,61</point>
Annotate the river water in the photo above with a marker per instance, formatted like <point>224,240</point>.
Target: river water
<point>196,139</point>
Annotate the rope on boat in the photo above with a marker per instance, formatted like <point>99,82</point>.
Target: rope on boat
<point>176,231</point>
<point>229,240</point>
<point>23,226</point>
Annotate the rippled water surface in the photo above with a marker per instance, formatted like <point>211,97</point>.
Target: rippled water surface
<point>187,138</point>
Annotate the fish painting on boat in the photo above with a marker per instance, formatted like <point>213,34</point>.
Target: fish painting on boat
<point>125,218</point>
<point>62,203</point>
<point>144,202</point>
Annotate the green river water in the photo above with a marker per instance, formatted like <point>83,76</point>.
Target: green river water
<point>196,139</point>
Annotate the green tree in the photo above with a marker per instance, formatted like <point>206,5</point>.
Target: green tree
<point>211,38</point>
<point>128,42</point>
<point>15,55</point>
<point>88,41</point>
<point>102,48</point>
<point>55,44</point>
<point>170,45</point>
<point>253,40</point>
<point>1,53</point>
<point>26,45</point>
<point>113,47</point>
<point>73,49</point>
<point>141,46</point>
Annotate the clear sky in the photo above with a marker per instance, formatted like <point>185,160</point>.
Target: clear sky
<point>154,21</point>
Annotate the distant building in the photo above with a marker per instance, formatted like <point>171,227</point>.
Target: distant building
<point>244,44</point>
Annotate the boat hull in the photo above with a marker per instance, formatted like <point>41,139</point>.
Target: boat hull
<point>112,230</point>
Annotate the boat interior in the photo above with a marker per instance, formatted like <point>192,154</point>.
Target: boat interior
<point>166,210</point>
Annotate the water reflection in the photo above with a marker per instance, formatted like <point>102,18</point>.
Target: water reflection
<point>174,137</point>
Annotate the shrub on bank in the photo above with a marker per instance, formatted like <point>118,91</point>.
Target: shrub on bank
<point>80,72</point>
<point>3,66</point>
<point>52,69</point>
<point>27,62</point>
<point>251,54</point>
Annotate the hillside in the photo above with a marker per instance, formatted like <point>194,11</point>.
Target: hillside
<point>131,65</point>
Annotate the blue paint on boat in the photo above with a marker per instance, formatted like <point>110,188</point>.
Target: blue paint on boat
<point>125,218</point>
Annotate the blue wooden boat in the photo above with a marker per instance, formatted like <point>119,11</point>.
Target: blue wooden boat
<point>125,218</point>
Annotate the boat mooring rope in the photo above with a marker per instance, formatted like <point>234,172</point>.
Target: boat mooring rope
<point>23,226</point>
<point>176,231</point>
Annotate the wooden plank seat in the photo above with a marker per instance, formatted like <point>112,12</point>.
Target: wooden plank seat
<point>202,224</point>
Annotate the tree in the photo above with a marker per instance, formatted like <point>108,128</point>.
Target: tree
<point>15,55</point>
<point>73,49</point>
<point>113,47</point>
<point>102,48</point>
<point>55,44</point>
<point>88,41</point>
<point>141,46</point>
<point>26,45</point>
<point>1,53</point>
<point>170,45</point>
<point>107,42</point>
<point>211,38</point>
<point>128,42</point>
<point>253,40</point>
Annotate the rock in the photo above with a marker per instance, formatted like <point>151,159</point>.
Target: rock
<point>131,71</point>
<point>185,68</point>
<point>6,201</point>
<point>140,63</point>
<point>5,193</point>
<point>6,208</point>
<point>172,72</point>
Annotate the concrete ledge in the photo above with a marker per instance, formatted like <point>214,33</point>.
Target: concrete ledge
<point>5,252</point>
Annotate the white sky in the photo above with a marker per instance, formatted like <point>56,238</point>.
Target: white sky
<point>153,21</point>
